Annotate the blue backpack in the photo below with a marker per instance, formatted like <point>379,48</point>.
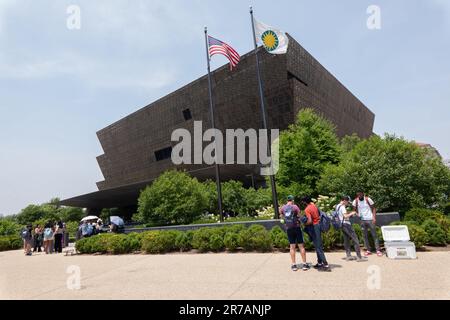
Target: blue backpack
<point>48,232</point>
<point>25,234</point>
<point>325,221</point>
<point>335,219</point>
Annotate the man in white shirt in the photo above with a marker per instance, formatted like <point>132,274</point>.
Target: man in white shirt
<point>365,208</point>
<point>348,231</point>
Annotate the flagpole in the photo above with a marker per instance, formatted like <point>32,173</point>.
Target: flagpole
<point>263,111</point>
<point>213,126</point>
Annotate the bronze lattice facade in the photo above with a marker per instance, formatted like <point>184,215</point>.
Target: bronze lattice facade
<point>136,147</point>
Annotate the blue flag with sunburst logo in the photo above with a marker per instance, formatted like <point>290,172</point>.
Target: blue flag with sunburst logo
<point>273,40</point>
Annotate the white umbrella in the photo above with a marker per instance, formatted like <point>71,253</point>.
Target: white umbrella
<point>116,220</point>
<point>89,218</point>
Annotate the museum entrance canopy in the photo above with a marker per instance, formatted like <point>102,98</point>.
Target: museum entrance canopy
<point>126,196</point>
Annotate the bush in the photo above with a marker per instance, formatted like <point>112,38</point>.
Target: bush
<point>436,235</point>
<point>183,241</point>
<point>234,228</point>
<point>359,233</point>
<point>82,246</point>
<point>419,215</point>
<point>173,198</point>
<point>255,238</point>
<point>118,244</point>
<point>216,242</point>
<point>134,241</point>
<point>231,241</point>
<point>279,238</point>
<point>200,239</point>
<point>418,235</point>
<point>447,209</point>
<point>159,241</point>
<point>330,239</point>
<point>10,243</point>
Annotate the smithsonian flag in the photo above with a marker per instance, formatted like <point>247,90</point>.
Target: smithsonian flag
<point>274,40</point>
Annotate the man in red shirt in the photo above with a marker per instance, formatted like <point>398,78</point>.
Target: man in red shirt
<point>313,230</point>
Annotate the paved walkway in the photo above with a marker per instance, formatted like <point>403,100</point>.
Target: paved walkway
<point>221,276</point>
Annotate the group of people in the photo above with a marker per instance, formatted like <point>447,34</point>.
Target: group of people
<point>89,228</point>
<point>362,206</point>
<point>51,238</point>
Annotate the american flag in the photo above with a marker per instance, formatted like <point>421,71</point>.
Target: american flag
<point>219,47</point>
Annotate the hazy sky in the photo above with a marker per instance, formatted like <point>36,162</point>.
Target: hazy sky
<point>59,86</point>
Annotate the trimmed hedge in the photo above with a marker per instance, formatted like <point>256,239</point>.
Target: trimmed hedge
<point>238,237</point>
<point>159,241</point>
<point>110,243</point>
<point>255,238</point>
<point>231,238</point>
<point>10,243</point>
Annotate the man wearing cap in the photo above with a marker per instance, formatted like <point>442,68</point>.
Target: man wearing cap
<point>290,214</point>
<point>348,231</point>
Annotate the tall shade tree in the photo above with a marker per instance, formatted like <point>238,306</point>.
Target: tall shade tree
<point>396,173</point>
<point>306,148</point>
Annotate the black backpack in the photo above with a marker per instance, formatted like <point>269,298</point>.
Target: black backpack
<point>290,217</point>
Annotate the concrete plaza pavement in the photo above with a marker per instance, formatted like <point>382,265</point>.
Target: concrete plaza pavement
<point>221,276</point>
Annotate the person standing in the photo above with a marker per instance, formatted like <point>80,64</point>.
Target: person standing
<point>37,237</point>
<point>290,214</point>
<point>348,231</point>
<point>313,228</point>
<point>365,208</point>
<point>59,230</point>
<point>27,238</point>
<point>48,238</point>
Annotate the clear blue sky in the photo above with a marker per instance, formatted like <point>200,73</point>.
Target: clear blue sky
<point>59,86</point>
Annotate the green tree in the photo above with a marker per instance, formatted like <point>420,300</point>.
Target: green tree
<point>306,148</point>
<point>396,173</point>
<point>9,227</point>
<point>70,214</point>
<point>348,143</point>
<point>236,199</point>
<point>173,198</point>
<point>35,212</point>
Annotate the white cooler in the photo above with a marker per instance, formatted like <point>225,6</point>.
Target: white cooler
<point>397,244</point>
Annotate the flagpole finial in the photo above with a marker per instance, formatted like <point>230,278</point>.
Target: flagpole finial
<point>251,9</point>
<point>206,29</point>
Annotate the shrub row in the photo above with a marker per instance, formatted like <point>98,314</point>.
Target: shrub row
<point>110,243</point>
<point>10,243</point>
<point>231,238</point>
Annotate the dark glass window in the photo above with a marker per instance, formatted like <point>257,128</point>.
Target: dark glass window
<point>187,114</point>
<point>163,154</point>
